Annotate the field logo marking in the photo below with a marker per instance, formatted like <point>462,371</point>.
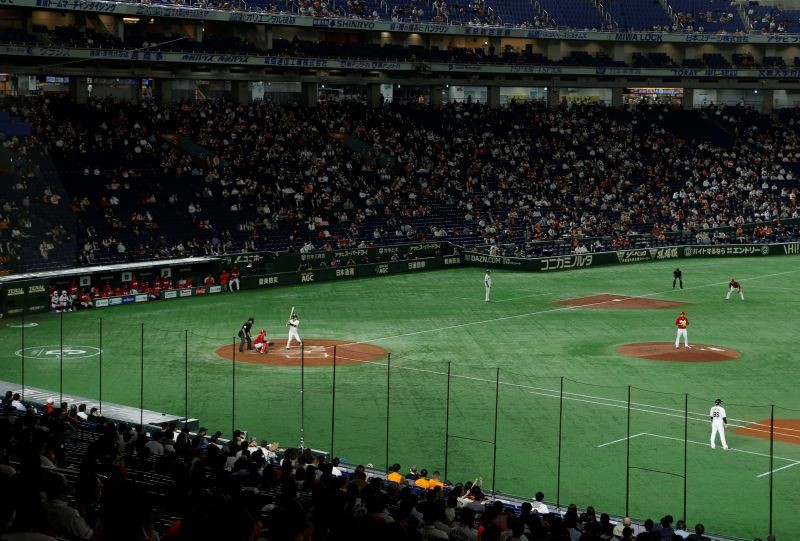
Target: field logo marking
<point>22,326</point>
<point>55,352</point>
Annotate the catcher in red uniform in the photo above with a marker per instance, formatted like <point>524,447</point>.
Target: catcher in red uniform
<point>261,342</point>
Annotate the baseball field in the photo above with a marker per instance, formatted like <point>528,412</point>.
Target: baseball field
<point>528,391</point>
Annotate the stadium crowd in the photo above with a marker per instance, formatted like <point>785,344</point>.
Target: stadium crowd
<point>148,181</point>
<point>75,475</point>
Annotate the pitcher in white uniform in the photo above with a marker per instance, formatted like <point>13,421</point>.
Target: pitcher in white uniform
<point>487,284</point>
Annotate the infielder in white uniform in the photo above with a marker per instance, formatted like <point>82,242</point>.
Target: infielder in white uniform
<point>487,284</point>
<point>293,323</point>
<point>719,420</point>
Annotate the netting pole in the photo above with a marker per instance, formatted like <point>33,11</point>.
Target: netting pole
<point>388,402</point>
<point>628,458</point>
<point>185,378</point>
<point>560,428</point>
<point>141,377</point>
<point>100,369</point>
<point>233,388</point>
<point>494,439</point>
<point>61,360</point>
<point>685,450</point>
<point>771,460</point>
<point>302,396</point>
<point>447,420</point>
<point>22,362</point>
<point>333,401</point>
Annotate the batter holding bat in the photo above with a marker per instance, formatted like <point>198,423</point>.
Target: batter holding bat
<point>293,323</point>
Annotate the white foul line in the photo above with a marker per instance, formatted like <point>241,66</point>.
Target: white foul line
<point>778,469</point>
<point>601,401</point>
<point>524,297</point>
<point>792,461</point>
<point>541,312</point>
<point>622,439</point>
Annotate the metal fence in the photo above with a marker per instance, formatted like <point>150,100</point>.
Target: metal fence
<point>628,450</point>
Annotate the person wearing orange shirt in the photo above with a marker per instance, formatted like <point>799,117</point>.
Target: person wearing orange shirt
<point>422,481</point>
<point>395,476</point>
<point>435,481</point>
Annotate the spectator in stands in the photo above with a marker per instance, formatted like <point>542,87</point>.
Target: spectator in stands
<point>394,475</point>
<point>422,481</point>
<point>538,504</point>
<point>412,474</point>
<point>435,481</point>
<point>62,519</point>
<point>464,527</point>
<point>699,530</point>
<point>82,415</point>
<point>621,525</point>
<point>16,403</point>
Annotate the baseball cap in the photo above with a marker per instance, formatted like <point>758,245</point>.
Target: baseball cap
<point>718,401</point>
<point>682,312</point>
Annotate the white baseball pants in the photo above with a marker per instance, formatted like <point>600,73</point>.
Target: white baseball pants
<point>718,428</point>
<point>684,333</point>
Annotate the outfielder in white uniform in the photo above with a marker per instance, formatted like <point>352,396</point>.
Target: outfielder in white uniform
<point>719,420</point>
<point>487,284</point>
<point>293,323</point>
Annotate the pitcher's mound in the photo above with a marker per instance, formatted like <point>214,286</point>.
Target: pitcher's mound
<point>315,352</point>
<point>666,351</point>
<point>618,302</point>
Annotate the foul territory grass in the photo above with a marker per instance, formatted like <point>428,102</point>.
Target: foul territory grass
<point>559,414</point>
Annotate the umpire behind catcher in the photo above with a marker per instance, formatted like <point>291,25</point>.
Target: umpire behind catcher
<point>244,335</point>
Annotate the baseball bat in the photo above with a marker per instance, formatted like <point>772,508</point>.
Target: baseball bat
<point>290,315</point>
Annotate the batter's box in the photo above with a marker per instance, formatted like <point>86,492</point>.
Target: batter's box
<point>307,351</point>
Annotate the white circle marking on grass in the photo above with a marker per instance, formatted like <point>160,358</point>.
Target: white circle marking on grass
<point>56,351</point>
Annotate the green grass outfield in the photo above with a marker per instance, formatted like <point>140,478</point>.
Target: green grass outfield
<point>429,319</point>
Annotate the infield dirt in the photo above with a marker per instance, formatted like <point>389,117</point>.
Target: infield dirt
<point>619,302</point>
<point>666,351</point>
<point>315,352</point>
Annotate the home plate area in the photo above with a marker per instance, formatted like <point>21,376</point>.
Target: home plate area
<point>666,351</point>
<point>315,352</point>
